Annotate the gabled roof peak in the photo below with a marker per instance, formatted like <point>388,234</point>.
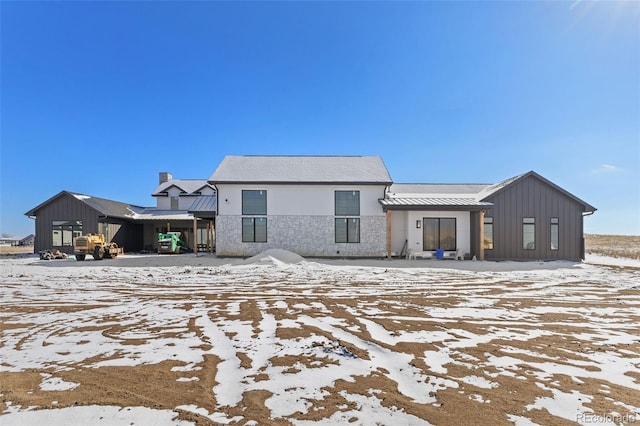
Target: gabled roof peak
<point>105,206</point>
<point>308,169</point>
<point>501,186</point>
<point>186,186</point>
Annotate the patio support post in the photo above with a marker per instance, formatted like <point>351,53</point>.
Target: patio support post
<point>195,235</point>
<point>481,236</point>
<point>210,236</point>
<point>388,234</point>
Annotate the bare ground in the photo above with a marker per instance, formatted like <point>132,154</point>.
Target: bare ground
<point>627,246</point>
<point>486,348</point>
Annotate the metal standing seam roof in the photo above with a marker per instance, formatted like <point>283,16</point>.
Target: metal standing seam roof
<point>301,169</point>
<point>204,204</point>
<point>435,195</point>
<point>433,202</point>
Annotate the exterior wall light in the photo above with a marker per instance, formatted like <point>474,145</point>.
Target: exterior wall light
<point>418,224</point>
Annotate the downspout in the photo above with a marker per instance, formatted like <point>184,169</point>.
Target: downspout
<point>214,229</point>
<point>388,217</point>
<point>582,243</point>
<point>217,198</point>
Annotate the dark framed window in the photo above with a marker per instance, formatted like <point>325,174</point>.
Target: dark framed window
<point>555,233</point>
<point>64,231</point>
<point>254,229</point>
<point>439,233</point>
<point>347,203</point>
<point>347,230</point>
<point>488,233</point>
<point>528,233</point>
<point>254,202</point>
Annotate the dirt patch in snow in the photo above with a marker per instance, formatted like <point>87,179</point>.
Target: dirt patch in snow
<point>290,342</point>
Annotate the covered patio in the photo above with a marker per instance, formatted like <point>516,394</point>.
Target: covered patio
<point>435,221</point>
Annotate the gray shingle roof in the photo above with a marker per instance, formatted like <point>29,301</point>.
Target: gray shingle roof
<point>107,207</point>
<point>455,189</point>
<point>301,169</point>
<point>492,189</point>
<point>116,209</point>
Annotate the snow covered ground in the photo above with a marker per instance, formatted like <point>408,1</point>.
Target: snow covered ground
<point>184,340</point>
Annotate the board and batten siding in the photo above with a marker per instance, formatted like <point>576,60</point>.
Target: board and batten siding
<point>532,198</point>
<point>65,207</point>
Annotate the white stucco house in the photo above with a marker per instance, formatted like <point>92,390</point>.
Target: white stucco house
<point>348,206</point>
<point>311,205</point>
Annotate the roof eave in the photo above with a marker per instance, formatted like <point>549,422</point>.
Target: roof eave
<point>280,182</point>
<point>32,212</point>
<point>436,207</point>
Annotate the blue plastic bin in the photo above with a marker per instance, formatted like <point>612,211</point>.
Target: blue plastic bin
<point>439,254</point>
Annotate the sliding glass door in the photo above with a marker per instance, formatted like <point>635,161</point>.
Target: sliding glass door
<point>439,233</point>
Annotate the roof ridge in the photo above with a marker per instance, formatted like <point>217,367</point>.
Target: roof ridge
<point>303,155</point>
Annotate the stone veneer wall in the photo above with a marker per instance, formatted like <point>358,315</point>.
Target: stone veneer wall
<point>305,235</point>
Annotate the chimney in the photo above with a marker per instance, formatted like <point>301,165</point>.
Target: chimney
<point>164,177</point>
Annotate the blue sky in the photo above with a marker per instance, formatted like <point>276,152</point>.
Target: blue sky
<point>98,97</point>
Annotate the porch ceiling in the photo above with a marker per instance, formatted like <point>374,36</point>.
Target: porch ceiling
<point>151,214</point>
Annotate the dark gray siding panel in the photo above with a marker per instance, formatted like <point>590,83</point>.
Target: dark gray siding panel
<point>65,207</point>
<point>531,197</point>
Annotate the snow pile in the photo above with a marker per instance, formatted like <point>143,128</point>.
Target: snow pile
<point>274,256</point>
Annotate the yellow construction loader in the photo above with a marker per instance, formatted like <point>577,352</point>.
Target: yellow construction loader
<point>95,245</point>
